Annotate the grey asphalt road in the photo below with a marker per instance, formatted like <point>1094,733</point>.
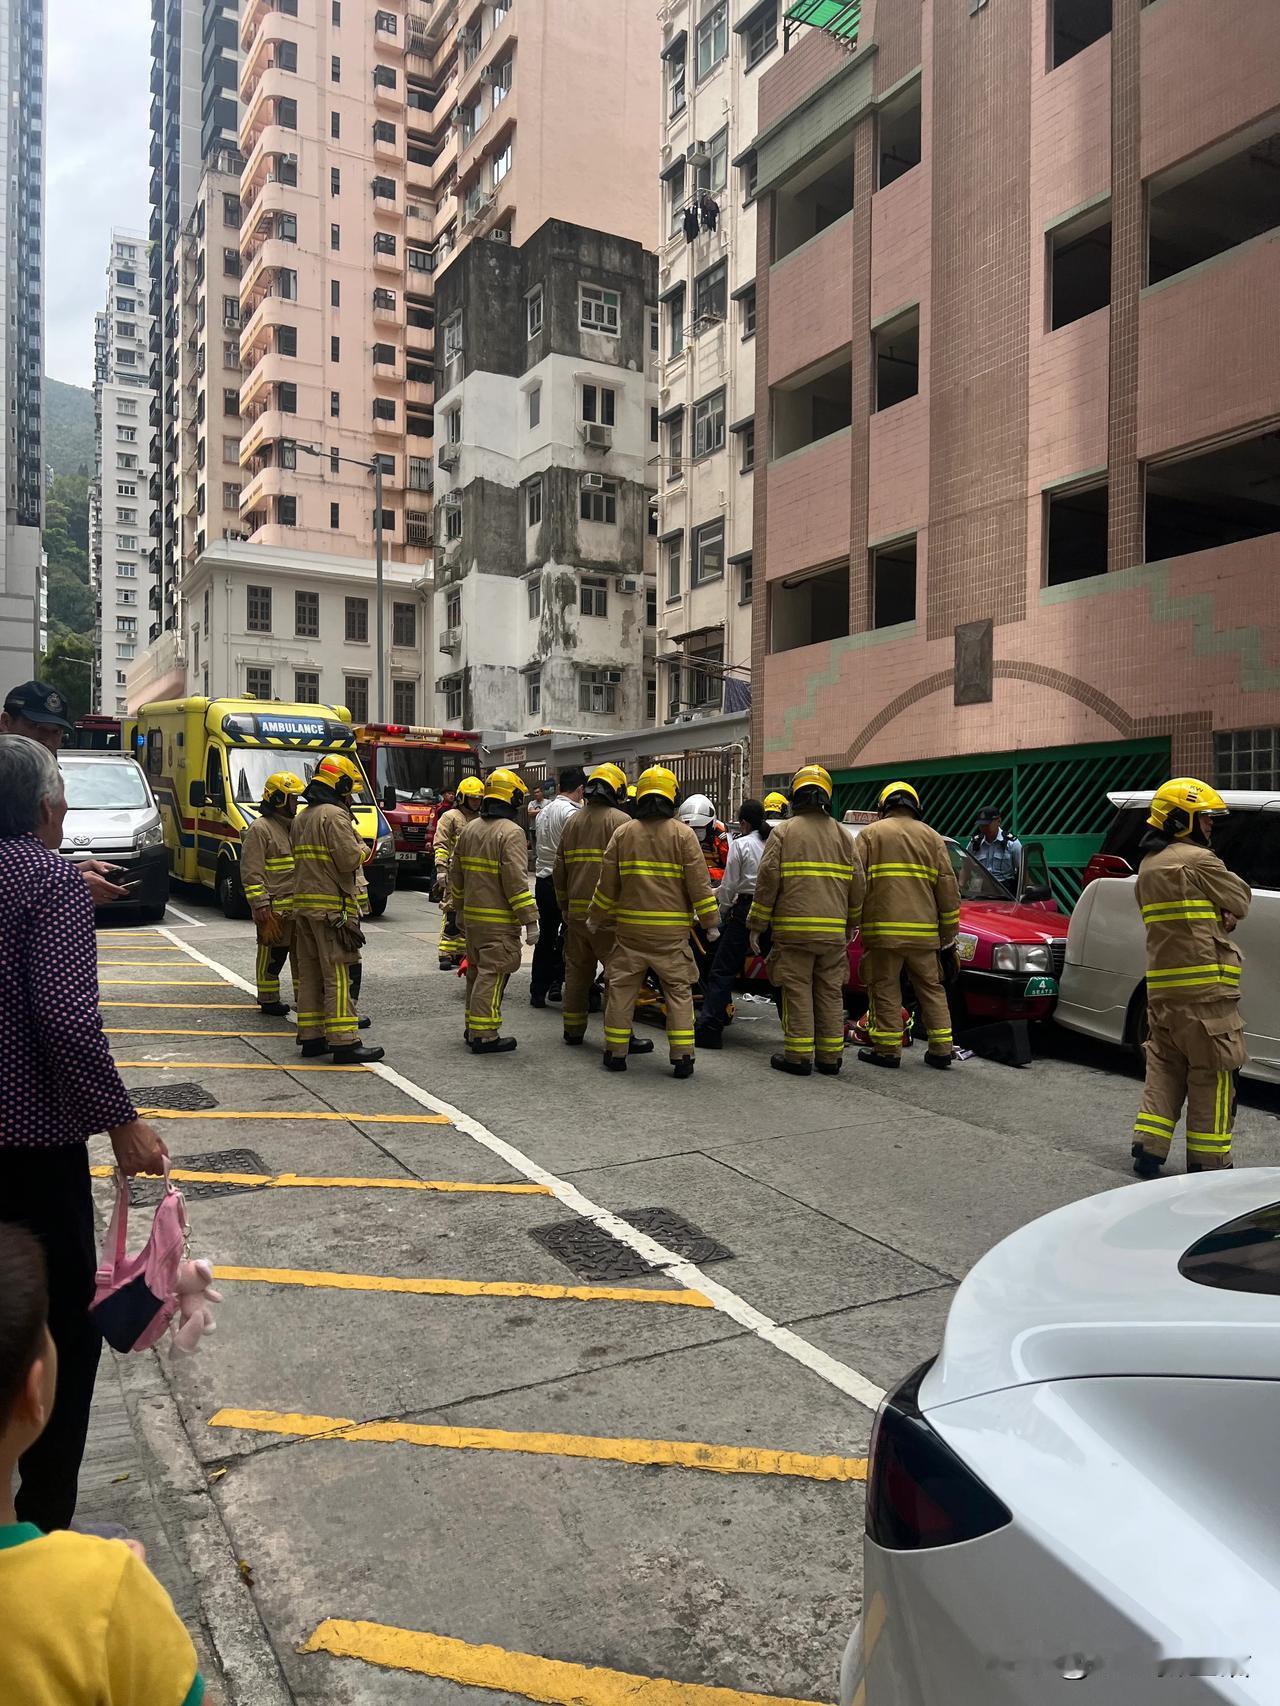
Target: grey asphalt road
<point>528,1490</point>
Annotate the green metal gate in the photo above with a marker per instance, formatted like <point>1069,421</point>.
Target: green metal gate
<point>1057,796</point>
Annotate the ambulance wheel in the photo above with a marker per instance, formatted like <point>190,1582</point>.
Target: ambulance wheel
<point>378,907</point>
<point>230,898</point>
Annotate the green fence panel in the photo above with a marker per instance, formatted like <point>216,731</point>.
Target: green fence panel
<point>1057,796</point>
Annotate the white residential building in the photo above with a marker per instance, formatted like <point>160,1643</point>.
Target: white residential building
<point>121,500</point>
<point>713,52</point>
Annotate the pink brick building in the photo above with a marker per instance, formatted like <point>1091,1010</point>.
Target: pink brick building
<point>1018,404</point>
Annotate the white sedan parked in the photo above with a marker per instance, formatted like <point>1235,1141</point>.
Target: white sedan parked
<point>1103,983</point>
<point>1077,1500</point>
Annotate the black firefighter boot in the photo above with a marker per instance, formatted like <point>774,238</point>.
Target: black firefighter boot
<point>491,1045</point>
<point>873,1057</point>
<point>1146,1165</point>
<point>273,1009</point>
<point>355,1054</point>
<point>797,1068</point>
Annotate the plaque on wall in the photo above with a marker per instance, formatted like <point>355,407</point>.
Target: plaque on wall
<point>973,665</point>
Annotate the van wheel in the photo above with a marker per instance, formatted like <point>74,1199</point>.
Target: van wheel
<point>379,906</point>
<point>153,914</point>
<point>230,898</point>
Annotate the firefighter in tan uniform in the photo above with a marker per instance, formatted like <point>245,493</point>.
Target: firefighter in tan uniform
<point>266,875</point>
<point>653,886</point>
<point>489,893</point>
<point>1190,904</point>
<point>449,826</point>
<point>576,873</point>
<point>911,910</point>
<point>809,893</point>
<point>327,856</point>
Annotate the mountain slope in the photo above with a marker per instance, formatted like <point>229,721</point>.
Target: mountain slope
<point>68,427</point>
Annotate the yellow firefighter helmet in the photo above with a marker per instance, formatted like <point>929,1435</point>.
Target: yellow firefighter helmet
<point>658,780</point>
<point>1176,806</point>
<point>278,788</point>
<point>504,785</point>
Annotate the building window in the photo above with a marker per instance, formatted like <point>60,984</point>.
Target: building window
<point>673,550</point>
<point>761,36</point>
<point>1078,273</point>
<point>674,457</point>
<point>453,698</point>
<point>384,77</point>
<point>453,426</point>
<point>499,166</point>
<point>711,294</point>
<point>749,313</point>
<point>650,698</point>
<point>535,598</point>
<point>893,584</point>
<point>676,80</point>
<point>286,512</point>
<point>533,503</point>
<point>285,57</point>
<point>744,579</point>
<point>306,686</point>
<point>453,521</point>
<point>677,199</point>
<point>533,694</point>
<point>1247,758</point>
<point>404,624</point>
<point>334,516</point>
<point>1075,25</point>
<point>533,312</point>
<point>747,435</point>
<point>653,424</point>
<point>896,357</point>
<point>535,405</point>
<point>713,174</point>
<point>708,425</point>
<point>230,495</point>
<point>599,310</point>
<point>384,408</point>
<point>335,126</point>
<point>355,690</point>
<point>712,39</point>
<point>404,701</point>
<point>1075,534</point>
<point>598,404</point>
<point>257,682</point>
<point>335,69</point>
<point>599,503</point>
<point>286,340</point>
<point>898,134</point>
<point>335,348</point>
<point>707,558</point>
<point>598,691</point>
<point>231,399</point>
<point>335,293</point>
<point>231,210</point>
<point>287,114</point>
<point>502,75</point>
<point>258,609</point>
<point>651,606</point>
<point>593,596</point>
<point>357,620</point>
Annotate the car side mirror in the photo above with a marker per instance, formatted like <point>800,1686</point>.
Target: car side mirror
<point>198,796</point>
<point>1036,892</point>
<point>389,799</point>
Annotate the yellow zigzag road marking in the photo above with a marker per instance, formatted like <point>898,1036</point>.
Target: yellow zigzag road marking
<point>676,1454</point>
<point>301,1181</point>
<point>462,1288</point>
<point>552,1681</point>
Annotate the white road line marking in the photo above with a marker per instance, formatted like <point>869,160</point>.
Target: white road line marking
<point>685,1274</point>
<point>198,922</point>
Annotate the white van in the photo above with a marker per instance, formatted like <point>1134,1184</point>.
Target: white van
<point>1103,990</point>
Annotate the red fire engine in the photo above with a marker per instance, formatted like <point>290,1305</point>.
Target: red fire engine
<point>411,768</point>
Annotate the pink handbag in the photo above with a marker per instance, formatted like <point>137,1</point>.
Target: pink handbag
<point>136,1297</point>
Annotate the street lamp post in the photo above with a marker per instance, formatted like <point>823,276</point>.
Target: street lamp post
<point>374,467</point>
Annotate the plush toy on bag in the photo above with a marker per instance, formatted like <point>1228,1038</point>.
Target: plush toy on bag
<point>136,1297</point>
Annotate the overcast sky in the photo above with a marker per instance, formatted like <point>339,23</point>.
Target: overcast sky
<point>96,142</point>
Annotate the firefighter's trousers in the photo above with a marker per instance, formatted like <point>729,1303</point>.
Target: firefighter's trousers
<point>881,972</point>
<point>326,1002</point>
<point>583,953</point>
<point>452,943</point>
<point>1194,1052</point>
<point>671,962</point>
<point>493,953</point>
<point>812,983</point>
<point>272,956</point>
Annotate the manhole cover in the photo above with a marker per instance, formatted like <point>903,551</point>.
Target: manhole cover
<point>595,1255</point>
<point>185,1097</point>
<point>145,1193</point>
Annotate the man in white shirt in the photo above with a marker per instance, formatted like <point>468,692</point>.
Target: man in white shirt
<point>546,978</point>
<point>737,887</point>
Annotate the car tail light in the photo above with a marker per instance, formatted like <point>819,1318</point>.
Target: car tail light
<point>1107,865</point>
<point>919,1494</point>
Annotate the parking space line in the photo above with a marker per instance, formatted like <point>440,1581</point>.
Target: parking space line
<point>300,1114</point>
<point>155,965</point>
<point>317,1280</point>
<point>800,1350</point>
<point>158,982</point>
<point>190,1007</point>
<point>239,1065</point>
<point>663,1453</point>
<point>324,1181</point>
<point>198,922</point>
<point>132,1031</point>
<point>555,1682</point>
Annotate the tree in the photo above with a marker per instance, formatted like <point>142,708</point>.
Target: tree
<point>68,666</point>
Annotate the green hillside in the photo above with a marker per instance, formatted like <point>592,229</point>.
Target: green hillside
<point>68,428</point>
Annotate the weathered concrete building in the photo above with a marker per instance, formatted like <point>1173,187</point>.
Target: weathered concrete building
<point>546,429</point>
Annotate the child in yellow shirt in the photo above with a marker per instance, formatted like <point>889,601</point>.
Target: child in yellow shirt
<point>85,1622</point>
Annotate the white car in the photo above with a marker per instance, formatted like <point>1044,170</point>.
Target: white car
<point>1077,1500</point>
<point>1103,988</point>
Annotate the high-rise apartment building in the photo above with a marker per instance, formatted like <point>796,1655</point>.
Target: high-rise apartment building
<point>194,121</point>
<point>546,432</point>
<point>713,57</point>
<point>1018,400</point>
<point>22,78</point>
<point>120,500</point>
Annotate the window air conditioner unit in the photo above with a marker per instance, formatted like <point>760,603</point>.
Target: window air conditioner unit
<point>627,584</point>
<point>593,482</point>
<point>613,677</point>
<point>501,235</point>
<point>451,640</point>
<point>444,682</point>
<point>597,436</point>
<point>491,74</point>
<point>697,154</point>
<point>459,113</point>
<point>448,456</point>
<point>452,500</point>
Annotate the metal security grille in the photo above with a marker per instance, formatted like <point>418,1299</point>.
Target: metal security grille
<point>1057,796</point>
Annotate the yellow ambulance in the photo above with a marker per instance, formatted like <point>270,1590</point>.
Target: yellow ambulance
<point>208,760</point>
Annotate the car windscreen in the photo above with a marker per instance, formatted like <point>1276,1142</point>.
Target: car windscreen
<point>1125,834</point>
<point>105,787</point>
<point>975,882</point>
<point>410,770</point>
<point>249,768</point>
<point>1243,1255</point>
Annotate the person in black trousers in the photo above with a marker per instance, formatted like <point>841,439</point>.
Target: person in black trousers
<point>58,1085</point>
<point>734,894</point>
<point>546,978</point>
